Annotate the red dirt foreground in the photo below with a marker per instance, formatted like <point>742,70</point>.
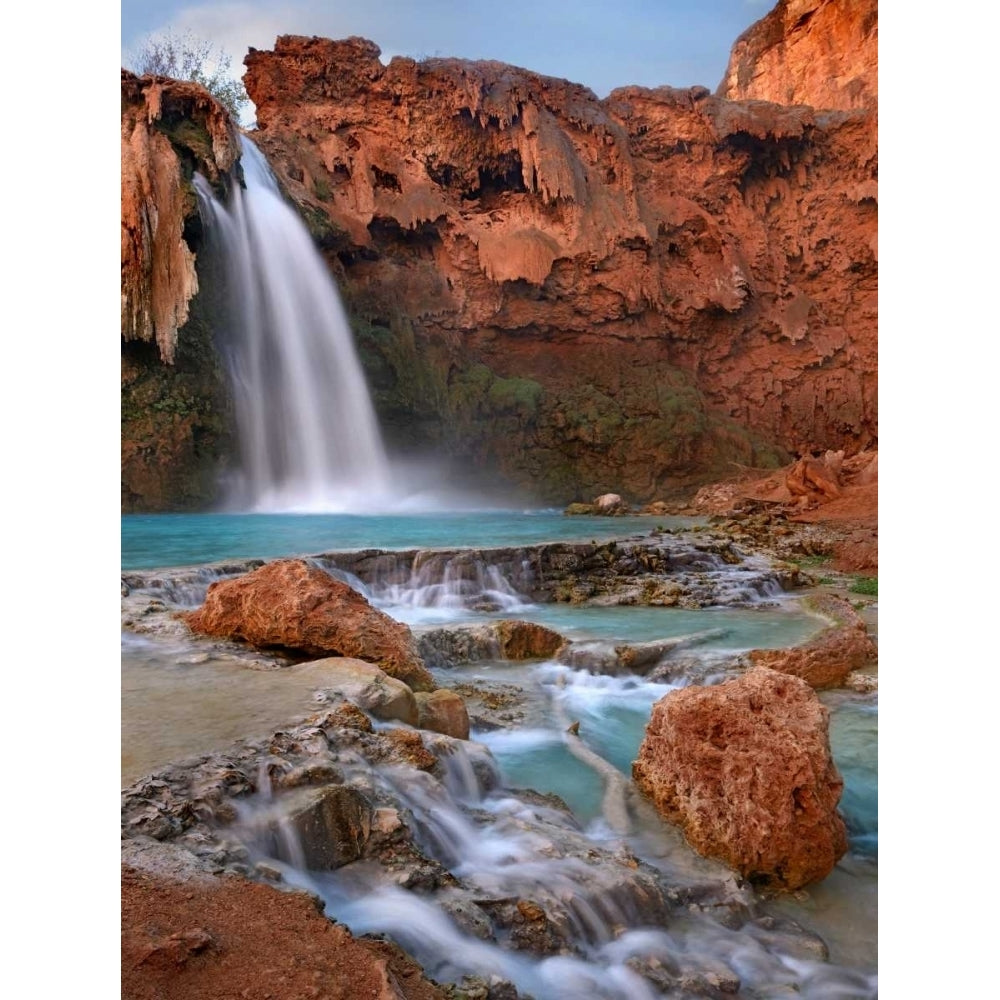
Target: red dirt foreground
<point>289,604</point>
<point>832,655</point>
<point>745,769</point>
<point>228,938</point>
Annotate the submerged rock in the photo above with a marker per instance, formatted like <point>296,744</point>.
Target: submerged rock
<point>745,769</point>
<point>827,660</point>
<point>289,604</point>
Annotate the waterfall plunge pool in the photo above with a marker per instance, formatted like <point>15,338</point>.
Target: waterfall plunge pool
<point>164,540</point>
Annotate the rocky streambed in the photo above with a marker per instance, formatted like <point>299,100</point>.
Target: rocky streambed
<point>522,861</point>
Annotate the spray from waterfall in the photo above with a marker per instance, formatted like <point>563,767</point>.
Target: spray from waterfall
<point>309,438</point>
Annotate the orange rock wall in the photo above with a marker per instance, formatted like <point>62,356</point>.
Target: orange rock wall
<point>158,270</point>
<point>175,427</point>
<point>667,269</point>
<point>818,52</point>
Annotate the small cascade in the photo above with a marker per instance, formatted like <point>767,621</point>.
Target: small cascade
<point>533,899</point>
<point>309,438</point>
<point>428,586</point>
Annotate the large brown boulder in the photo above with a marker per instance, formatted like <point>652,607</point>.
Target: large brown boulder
<point>290,604</point>
<point>744,768</point>
<point>825,661</point>
<point>443,711</point>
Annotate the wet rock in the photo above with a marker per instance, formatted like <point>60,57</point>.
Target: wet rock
<point>443,711</point>
<point>290,604</point>
<point>598,658</point>
<point>861,682</point>
<point>492,705</point>
<point>332,825</point>
<point>370,688</point>
<point>610,504</point>
<point>269,872</point>
<point>788,938</point>
<point>349,716</point>
<point>826,660</point>
<point>633,658</point>
<point>745,769</point>
<point>449,647</point>
<point>314,772</point>
<point>507,639</point>
<point>409,747</point>
<point>469,916</point>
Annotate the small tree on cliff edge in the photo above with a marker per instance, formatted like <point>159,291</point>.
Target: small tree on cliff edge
<point>184,57</point>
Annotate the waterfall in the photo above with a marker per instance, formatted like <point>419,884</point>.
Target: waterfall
<point>309,439</point>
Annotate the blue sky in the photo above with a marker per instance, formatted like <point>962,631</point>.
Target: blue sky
<point>600,44</point>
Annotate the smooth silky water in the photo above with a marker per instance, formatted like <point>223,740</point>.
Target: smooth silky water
<point>177,701</point>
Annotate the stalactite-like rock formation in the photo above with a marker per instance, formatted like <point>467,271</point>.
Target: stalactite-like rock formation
<point>158,271</point>
<point>585,294</point>
<point>174,428</point>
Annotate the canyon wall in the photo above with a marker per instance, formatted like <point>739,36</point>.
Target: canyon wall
<point>818,52</point>
<point>175,425</point>
<point>581,295</point>
<point>585,294</point>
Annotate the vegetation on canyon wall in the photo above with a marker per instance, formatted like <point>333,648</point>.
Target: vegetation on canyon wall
<point>176,434</point>
<point>570,294</point>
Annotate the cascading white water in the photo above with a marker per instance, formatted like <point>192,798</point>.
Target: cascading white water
<point>308,434</point>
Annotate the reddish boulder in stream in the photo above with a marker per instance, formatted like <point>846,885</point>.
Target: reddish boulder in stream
<point>745,769</point>
<point>290,604</point>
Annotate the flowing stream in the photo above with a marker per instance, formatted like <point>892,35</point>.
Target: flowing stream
<point>615,931</point>
<point>309,439</point>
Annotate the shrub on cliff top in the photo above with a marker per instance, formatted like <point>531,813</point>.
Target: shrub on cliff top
<point>184,57</point>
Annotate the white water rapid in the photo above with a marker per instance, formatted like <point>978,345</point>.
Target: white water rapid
<point>309,438</point>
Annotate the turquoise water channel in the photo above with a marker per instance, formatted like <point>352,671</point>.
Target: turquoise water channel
<point>156,541</point>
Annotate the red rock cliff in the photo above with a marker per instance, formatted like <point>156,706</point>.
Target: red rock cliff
<point>818,52</point>
<point>158,272</point>
<point>173,400</point>
<point>596,294</point>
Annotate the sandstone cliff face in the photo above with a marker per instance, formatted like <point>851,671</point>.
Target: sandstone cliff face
<point>818,52</point>
<point>173,422</point>
<point>586,295</point>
